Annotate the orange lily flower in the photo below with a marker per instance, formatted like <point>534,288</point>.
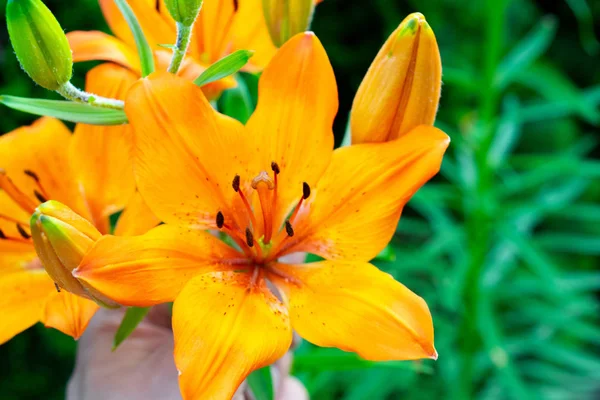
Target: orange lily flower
<point>91,172</point>
<point>275,187</point>
<point>221,28</point>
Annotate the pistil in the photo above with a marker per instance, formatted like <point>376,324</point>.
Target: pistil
<point>263,184</point>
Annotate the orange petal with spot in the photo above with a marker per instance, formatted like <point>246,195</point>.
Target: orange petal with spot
<point>136,218</point>
<point>224,329</point>
<point>292,124</point>
<point>354,210</point>
<point>186,154</point>
<point>98,46</point>
<point>153,268</point>
<point>355,307</point>
<point>23,296</point>
<point>101,155</point>
<point>40,148</point>
<point>68,313</point>
<point>156,29</point>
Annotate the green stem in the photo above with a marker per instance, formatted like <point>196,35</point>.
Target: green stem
<point>184,33</point>
<point>70,92</point>
<point>478,220</point>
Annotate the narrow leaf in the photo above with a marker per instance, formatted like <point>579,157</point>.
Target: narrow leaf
<point>226,66</point>
<point>261,384</point>
<point>66,110</point>
<point>144,51</point>
<point>133,316</point>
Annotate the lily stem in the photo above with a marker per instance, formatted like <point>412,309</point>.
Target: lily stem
<point>184,34</point>
<point>70,92</point>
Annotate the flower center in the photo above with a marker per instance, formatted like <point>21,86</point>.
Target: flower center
<point>265,248</point>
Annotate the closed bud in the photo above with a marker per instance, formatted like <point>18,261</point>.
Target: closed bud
<point>401,89</point>
<point>285,18</point>
<point>39,43</point>
<point>184,11</point>
<point>61,238</point>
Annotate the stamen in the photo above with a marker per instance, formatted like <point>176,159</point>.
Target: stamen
<point>11,219</point>
<point>249,238</point>
<point>236,186</point>
<point>57,287</point>
<point>305,190</point>
<point>220,220</point>
<point>32,174</point>
<point>276,171</point>
<point>25,202</point>
<point>12,239</point>
<point>36,178</point>
<point>288,229</point>
<point>39,196</point>
<point>23,232</point>
<point>305,195</point>
<point>275,168</point>
<point>2,235</point>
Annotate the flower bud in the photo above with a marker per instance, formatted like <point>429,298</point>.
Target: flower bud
<point>61,238</point>
<point>184,11</point>
<point>401,89</point>
<point>285,18</point>
<point>39,43</point>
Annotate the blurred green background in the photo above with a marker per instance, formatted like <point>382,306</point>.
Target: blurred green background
<point>504,244</point>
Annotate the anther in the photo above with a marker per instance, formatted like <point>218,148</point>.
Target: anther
<point>275,167</point>
<point>236,183</point>
<point>23,232</point>
<point>249,238</point>
<point>220,220</point>
<point>32,174</point>
<point>57,287</point>
<point>39,196</point>
<point>288,229</point>
<point>305,190</point>
<point>2,235</point>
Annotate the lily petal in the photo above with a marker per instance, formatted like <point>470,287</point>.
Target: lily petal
<point>136,219</point>
<point>36,153</point>
<point>98,46</point>
<point>23,297</point>
<point>101,155</point>
<point>292,124</point>
<point>153,268</point>
<point>185,152</point>
<point>357,203</point>
<point>156,29</point>
<point>225,328</point>
<point>68,313</point>
<point>356,307</point>
<point>11,215</point>
<point>213,29</point>
<point>250,32</point>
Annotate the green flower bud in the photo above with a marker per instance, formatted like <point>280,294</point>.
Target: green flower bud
<point>184,11</point>
<point>39,42</point>
<point>286,18</point>
<point>61,238</point>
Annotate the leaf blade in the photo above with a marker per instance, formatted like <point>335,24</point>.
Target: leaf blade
<point>143,47</point>
<point>133,316</point>
<point>226,66</point>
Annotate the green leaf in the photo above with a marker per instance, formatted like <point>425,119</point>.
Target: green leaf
<point>261,384</point>
<point>237,102</point>
<point>66,110</point>
<point>226,66</point>
<point>133,316</point>
<point>528,50</point>
<point>144,51</point>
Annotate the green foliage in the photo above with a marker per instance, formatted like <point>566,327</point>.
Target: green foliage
<point>144,50</point>
<point>503,244</point>
<point>261,384</point>
<point>226,66</point>
<point>132,318</point>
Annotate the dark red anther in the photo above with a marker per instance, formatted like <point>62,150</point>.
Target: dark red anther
<point>275,167</point>
<point>249,238</point>
<point>236,183</point>
<point>23,232</point>
<point>305,190</point>
<point>288,229</point>
<point>2,235</point>
<point>39,196</point>
<point>220,220</point>
<point>32,174</point>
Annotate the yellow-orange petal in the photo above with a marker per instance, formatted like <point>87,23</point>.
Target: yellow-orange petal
<point>101,155</point>
<point>156,29</point>
<point>401,90</point>
<point>153,268</point>
<point>23,296</point>
<point>224,329</point>
<point>292,123</point>
<point>68,313</point>
<point>250,32</point>
<point>356,307</point>
<point>213,30</point>
<point>136,218</point>
<point>186,154</point>
<point>354,210</point>
<point>39,149</point>
<point>191,69</point>
<point>98,46</point>
<point>11,215</point>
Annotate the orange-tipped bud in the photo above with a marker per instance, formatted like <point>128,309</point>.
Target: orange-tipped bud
<point>286,18</point>
<point>61,238</point>
<point>402,87</point>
